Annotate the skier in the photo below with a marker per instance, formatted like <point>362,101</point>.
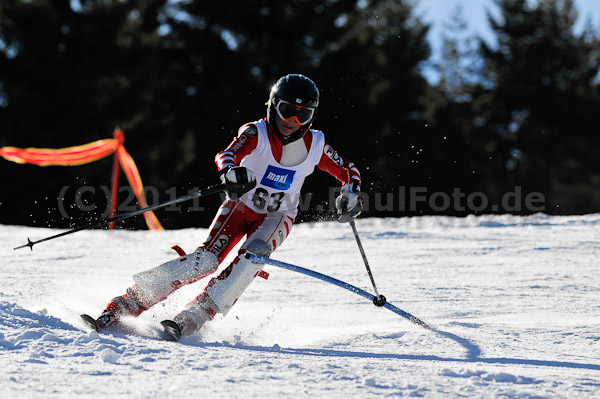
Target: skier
<point>263,169</point>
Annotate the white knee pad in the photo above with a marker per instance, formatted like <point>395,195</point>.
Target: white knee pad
<point>258,247</point>
<point>157,283</point>
<point>225,291</point>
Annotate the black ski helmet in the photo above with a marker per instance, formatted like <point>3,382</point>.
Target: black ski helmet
<point>295,89</point>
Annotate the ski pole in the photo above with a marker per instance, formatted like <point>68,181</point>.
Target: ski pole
<point>123,216</point>
<point>334,281</point>
<point>379,300</point>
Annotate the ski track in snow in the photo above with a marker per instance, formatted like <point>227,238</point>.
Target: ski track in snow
<point>514,303</point>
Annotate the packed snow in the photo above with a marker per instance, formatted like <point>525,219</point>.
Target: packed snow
<point>513,302</point>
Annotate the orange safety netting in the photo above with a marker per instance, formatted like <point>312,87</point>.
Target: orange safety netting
<point>87,153</point>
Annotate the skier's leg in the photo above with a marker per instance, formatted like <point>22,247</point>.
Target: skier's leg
<point>230,224</point>
<point>154,285</point>
<point>224,290</point>
<point>265,236</point>
<point>196,313</point>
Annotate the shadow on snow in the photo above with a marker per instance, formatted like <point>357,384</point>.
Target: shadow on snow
<point>473,354</point>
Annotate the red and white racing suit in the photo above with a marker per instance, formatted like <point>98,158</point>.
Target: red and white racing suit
<point>265,215</point>
<point>280,172</point>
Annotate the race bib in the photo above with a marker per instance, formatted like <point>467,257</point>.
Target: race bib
<point>278,178</point>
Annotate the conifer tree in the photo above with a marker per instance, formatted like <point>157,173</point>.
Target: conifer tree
<point>543,101</point>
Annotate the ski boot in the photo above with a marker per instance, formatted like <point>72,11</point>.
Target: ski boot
<point>191,319</point>
<point>120,306</point>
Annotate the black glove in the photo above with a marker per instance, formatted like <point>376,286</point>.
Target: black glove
<point>238,180</point>
<point>348,204</point>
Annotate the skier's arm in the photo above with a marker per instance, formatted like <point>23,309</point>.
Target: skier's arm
<point>245,142</point>
<point>339,167</point>
<point>348,203</point>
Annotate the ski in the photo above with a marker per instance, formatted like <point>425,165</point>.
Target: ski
<point>172,329</point>
<point>90,322</point>
<point>168,332</point>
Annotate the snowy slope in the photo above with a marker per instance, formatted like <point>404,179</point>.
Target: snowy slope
<point>514,301</point>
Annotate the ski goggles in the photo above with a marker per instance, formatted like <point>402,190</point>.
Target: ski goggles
<point>288,111</point>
